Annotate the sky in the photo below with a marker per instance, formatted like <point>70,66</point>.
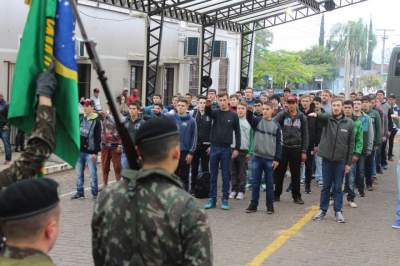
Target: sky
<point>302,34</point>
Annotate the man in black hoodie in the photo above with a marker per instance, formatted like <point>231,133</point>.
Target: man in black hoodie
<point>308,108</point>
<point>295,144</point>
<point>224,124</point>
<point>201,155</point>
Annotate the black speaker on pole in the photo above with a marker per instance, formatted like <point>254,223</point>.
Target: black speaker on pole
<point>330,5</point>
<point>244,81</point>
<point>206,82</point>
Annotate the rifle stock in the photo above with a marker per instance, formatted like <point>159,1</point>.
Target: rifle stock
<point>127,142</point>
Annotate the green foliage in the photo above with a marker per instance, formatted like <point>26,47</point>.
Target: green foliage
<point>283,66</point>
<point>295,67</point>
<point>321,61</point>
<point>370,81</point>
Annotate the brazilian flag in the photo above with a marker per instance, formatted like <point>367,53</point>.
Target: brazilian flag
<point>49,33</point>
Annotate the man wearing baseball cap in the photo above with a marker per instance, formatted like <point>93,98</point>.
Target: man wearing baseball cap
<point>294,151</point>
<point>90,132</point>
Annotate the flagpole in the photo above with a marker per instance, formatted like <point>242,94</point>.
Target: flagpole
<point>127,142</point>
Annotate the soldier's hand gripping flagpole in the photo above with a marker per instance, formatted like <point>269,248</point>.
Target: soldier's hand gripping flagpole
<point>127,142</point>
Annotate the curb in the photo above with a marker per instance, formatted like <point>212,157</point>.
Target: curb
<point>56,168</point>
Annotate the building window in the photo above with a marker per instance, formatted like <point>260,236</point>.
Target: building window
<point>397,69</point>
<point>219,49</point>
<point>136,76</point>
<point>194,76</point>
<point>191,46</point>
<point>223,75</point>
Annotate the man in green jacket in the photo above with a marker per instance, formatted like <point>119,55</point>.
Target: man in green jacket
<point>370,165</point>
<point>358,149</point>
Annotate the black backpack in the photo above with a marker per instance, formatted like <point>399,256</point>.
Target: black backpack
<point>202,188</point>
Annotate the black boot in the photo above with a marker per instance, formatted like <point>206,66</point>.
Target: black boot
<point>308,188</point>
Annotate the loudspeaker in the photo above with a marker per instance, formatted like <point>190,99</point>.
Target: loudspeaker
<point>206,82</point>
<point>244,81</point>
<point>329,5</point>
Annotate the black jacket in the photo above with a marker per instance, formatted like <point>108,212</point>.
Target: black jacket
<point>203,127</point>
<point>3,113</point>
<point>223,125</point>
<point>312,128</point>
<point>294,130</point>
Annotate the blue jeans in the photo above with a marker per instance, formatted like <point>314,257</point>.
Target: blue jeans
<point>398,194</point>
<point>332,174</point>
<point>124,161</point>
<point>318,168</point>
<point>86,159</point>
<point>220,155</point>
<point>350,183</point>
<point>261,165</point>
<point>5,137</point>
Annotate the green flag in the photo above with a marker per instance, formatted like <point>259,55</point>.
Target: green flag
<point>49,31</point>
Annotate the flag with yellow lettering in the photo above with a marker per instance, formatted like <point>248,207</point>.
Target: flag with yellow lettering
<point>49,33</point>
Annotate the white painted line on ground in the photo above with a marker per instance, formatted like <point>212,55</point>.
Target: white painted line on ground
<point>73,192</point>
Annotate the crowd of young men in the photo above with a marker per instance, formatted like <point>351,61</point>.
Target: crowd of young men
<point>257,141</point>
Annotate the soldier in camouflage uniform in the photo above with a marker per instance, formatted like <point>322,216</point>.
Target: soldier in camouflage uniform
<point>42,141</point>
<point>31,220</point>
<point>30,223</point>
<point>148,218</point>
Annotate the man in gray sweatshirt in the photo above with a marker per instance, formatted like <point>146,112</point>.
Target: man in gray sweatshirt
<point>267,154</point>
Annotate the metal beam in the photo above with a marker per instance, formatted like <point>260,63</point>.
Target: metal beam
<point>314,5</point>
<point>246,55</point>
<point>172,11</point>
<point>153,50</point>
<point>254,9</point>
<point>206,55</point>
<point>297,14</point>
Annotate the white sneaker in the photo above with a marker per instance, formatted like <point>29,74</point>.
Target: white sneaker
<point>339,217</point>
<point>240,196</point>
<point>232,195</point>
<point>352,204</point>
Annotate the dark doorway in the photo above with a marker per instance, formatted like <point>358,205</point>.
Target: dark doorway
<point>84,74</point>
<point>136,79</point>
<point>169,85</point>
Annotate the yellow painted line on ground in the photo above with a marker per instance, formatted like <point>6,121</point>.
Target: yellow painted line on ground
<point>283,237</point>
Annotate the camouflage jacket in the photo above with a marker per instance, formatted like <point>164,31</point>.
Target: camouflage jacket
<point>148,219</point>
<point>40,146</point>
<point>12,256</point>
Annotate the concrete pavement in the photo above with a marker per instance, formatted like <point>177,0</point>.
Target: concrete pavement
<point>366,238</point>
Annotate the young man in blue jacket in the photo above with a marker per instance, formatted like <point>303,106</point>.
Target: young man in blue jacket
<point>188,139</point>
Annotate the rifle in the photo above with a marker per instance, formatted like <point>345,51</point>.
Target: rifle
<point>127,142</point>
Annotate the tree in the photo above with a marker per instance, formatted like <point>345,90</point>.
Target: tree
<point>371,81</point>
<point>263,40</point>
<point>285,68</point>
<point>371,46</point>
<point>321,61</point>
<point>322,32</point>
<point>350,39</point>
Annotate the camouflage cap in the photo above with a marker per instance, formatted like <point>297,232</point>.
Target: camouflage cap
<point>155,129</point>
